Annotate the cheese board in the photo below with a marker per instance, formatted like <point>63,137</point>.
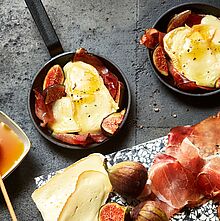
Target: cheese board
<point>145,153</point>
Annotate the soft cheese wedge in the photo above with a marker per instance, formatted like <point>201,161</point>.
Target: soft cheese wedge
<point>51,197</point>
<point>91,193</point>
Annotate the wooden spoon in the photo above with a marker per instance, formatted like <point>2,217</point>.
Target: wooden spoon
<point>7,200</point>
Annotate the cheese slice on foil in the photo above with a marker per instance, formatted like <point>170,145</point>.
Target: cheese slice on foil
<point>52,196</point>
<point>195,51</point>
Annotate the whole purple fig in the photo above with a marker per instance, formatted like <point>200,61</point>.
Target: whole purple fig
<point>128,178</point>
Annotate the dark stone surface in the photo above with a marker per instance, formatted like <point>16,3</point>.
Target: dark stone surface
<point>109,28</point>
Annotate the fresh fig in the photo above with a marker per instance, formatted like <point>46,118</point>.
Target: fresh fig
<point>54,76</point>
<point>53,93</point>
<point>178,20</point>
<point>160,61</point>
<point>111,123</point>
<point>128,178</point>
<point>114,212</point>
<point>148,210</point>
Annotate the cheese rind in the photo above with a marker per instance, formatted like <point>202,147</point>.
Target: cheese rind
<point>91,193</point>
<point>52,196</point>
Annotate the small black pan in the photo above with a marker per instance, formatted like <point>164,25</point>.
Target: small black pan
<point>161,25</point>
<point>58,56</point>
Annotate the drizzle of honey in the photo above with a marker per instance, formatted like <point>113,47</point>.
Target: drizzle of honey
<point>11,148</point>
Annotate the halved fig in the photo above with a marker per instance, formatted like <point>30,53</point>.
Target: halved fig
<point>114,212</point>
<point>54,76</point>
<point>178,20</point>
<point>111,123</point>
<point>119,94</point>
<point>150,38</point>
<point>110,80</point>
<point>54,92</point>
<point>160,61</point>
<point>43,111</point>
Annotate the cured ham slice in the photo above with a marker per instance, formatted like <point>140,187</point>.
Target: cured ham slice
<point>172,183</point>
<point>43,111</point>
<point>188,173</point>
<point>78,139</point>
<point>209,177</point>
<point>188,156</point>
<point>206,136</point>
<point>178,134</point>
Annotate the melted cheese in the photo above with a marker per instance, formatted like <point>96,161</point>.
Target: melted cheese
<point>195,52</point>
<point>63,114</point>
<point>91,99</point>
<point>51,197</point>
<point>91,193</point>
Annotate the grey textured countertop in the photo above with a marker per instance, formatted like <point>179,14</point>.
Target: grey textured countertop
<point>109,28</point>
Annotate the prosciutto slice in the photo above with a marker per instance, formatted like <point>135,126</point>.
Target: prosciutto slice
<point>43,111</point>
<point>209,177</point>
<point>172,183</point>
<point>188,172</point>
<point>204,135</point>
<point>78,139</point>
<point>187,155</point>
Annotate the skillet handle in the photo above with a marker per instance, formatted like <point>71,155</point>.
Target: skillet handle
<point>45,27</point>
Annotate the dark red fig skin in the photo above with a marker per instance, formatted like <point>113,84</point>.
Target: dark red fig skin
<point>160,60</point>
<point>111,123</point>
<point>53,93</point>
<point>114,212</point>
<point>178,20</point>
<point>128,178</point>
<point>54,76</point>
<point>148,210</point>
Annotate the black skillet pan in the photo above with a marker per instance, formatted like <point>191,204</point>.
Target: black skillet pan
<point>58,56</point>
<point>161,25</point>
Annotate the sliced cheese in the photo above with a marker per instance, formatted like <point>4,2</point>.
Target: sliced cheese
<point>51,197</point>
<point>91,193</point>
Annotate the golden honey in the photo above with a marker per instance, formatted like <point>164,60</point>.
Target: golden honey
<point>11,148</point>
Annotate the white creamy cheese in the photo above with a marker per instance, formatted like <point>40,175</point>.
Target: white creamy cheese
<point>51,197</point>
<point>91,193</point>
<point>195,52</point>
<point>91,101</point>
